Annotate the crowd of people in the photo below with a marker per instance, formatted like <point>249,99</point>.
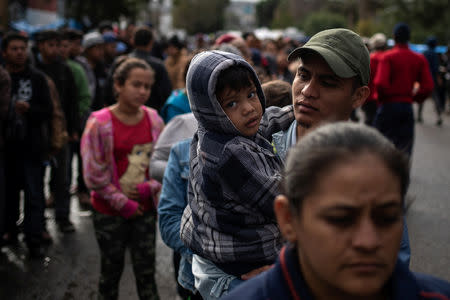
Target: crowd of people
<point>240,150</point>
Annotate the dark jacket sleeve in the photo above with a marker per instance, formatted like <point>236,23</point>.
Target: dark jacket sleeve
<point>276,119</point>
<point>70,101</point>
<point>5,94</point>
<point>256,186</point>
<point>161,88</point>
<point>41,106</point>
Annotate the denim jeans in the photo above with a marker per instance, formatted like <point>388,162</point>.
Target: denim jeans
<point>210,281</point>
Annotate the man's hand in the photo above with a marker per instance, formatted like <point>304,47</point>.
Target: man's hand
<point>255,272</point>
<point>22,107</point>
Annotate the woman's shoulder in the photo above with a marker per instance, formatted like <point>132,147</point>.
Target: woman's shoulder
<point>432,287</point>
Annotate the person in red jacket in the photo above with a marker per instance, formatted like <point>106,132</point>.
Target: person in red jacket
<point>398,71</point>
<point>377,44</point>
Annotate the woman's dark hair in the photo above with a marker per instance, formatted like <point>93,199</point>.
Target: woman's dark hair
<point>235,77</point>
<point>126,65</point>
<point>332,144</point>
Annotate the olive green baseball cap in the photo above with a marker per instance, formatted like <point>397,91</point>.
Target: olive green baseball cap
<point>342,49</point>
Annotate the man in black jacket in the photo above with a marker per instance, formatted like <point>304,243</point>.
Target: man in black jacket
<point>26,145</point>
<point>50,62</point>
<point>161,89</point>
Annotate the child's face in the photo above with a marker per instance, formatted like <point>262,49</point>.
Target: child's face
<point>136,88</point>
<point>243,108</point>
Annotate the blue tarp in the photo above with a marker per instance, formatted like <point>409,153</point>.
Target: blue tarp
<point>419,48</point>
<point>23,25</point>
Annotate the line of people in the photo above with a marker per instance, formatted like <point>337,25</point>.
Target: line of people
<point>220,207</point>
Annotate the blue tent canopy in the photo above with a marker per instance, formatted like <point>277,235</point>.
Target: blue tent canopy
<point>23,25</point>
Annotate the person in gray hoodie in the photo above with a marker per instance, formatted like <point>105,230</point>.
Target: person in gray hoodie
<point>234,173</point>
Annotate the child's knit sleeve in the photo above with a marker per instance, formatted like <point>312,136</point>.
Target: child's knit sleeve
<point>276,119</point>
<point>98,174</point>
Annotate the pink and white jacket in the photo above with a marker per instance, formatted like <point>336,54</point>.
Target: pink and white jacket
<point>99,167</point>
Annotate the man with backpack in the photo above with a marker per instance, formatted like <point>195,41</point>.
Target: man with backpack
<point>27,144</point>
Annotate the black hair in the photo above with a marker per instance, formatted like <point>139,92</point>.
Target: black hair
<point>12,36</point>
<point>235,77</point>
<point>331,144</point>
<point>175,41</point>
<point>402,33</point>
<point>47,35</point>
<point>71,34</point>
<point>143,36</point>
<point>105,25</point>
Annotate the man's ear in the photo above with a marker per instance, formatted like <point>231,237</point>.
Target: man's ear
<point>285,218</point>
<point>360,96</point>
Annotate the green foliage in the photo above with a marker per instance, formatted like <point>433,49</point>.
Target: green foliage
<point>425,17</point>
<point>368,27</point>
<point>199,15</point>
<point>100,10</point>
<point>283,17</point>
<point>265,11</point>
<point>322,20</point>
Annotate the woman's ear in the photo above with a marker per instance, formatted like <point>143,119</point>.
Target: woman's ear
<point>360,96</point>
<point>285,218</point>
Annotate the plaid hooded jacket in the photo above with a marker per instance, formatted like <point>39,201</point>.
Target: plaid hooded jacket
<point>233,179</point>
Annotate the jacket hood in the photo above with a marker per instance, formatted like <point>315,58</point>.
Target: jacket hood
<point>201,81</point>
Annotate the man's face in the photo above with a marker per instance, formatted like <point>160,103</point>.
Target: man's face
<point>75,48</point>
<point>172,50</point>
<point>319,95</point>
<point>50,50</point>
<point>110,50</point>
<point>243,108</point>
<point>64,49</point>
<point>16,53</point>
<point>96,53</point>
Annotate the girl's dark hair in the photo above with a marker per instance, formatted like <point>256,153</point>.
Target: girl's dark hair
<point>335,143</point>
<point>235,78</point>
<point>125,65</point>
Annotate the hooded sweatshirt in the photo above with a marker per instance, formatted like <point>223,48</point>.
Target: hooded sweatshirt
<point>233,179</point>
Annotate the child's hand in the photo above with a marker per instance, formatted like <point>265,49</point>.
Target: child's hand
<point>139,212</point>
<point>131,192</point>
<point>255,272</point>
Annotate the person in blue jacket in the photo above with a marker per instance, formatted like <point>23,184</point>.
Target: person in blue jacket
<point>341,212</point>
<point>172,202</point>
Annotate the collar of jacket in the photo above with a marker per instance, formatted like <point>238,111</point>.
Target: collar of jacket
<point>402,284</point>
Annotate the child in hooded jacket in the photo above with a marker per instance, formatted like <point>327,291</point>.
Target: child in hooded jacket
<point>234,174</point>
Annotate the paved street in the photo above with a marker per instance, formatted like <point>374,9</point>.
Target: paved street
<point>71,268</point>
